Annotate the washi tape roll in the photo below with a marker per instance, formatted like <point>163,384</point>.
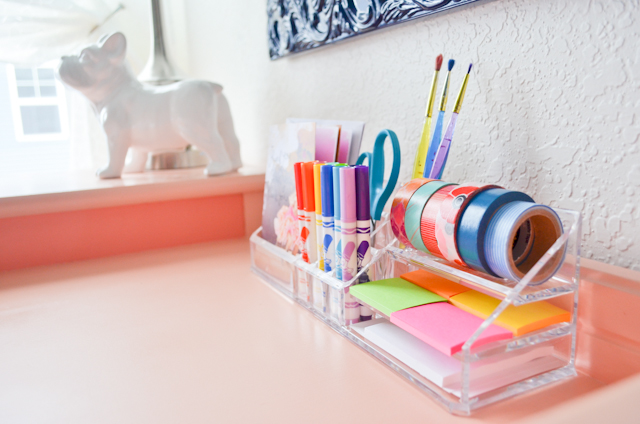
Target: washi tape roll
<point>442,241</point>
<point>518,236</point>
<point>413,214</point>
<point>475,220</point>
<point>428,219</point>
<point>399,206</point>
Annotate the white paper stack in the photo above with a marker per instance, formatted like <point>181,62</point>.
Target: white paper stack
<point>446,371</point>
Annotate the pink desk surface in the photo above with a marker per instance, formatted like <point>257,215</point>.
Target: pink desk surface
<point>189,335</point>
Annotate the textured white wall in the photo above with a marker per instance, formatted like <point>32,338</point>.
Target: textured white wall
<point>552,108</point>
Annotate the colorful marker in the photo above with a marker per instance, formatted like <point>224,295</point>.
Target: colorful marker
<point>349,240</point>
<point>297,170</point>
<point>303,284</point>
<point>309,212</point>
<point>363,229</point>
<point>328,246</point>
<point>337,223</point>
<point>317,190</point>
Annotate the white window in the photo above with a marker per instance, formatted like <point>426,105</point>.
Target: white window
<point>38,104</point>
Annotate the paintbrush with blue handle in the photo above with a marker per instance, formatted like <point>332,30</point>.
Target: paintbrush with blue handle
<point>437,133</point>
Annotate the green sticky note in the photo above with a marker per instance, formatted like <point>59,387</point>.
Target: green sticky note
<point>393,294</point>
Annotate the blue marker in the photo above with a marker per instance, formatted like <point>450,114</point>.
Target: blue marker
<point>337,224</point>
<point>328,246</point>
<point>336,297</point>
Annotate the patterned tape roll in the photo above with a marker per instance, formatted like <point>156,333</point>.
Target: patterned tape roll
<point>428,221</point>
<point>440,237</point>
<point>414,210</point>
<point>518,236</point>
<point>399,206</point>
<point>474,222</point>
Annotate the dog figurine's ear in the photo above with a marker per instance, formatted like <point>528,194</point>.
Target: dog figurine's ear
<point>115,46</point>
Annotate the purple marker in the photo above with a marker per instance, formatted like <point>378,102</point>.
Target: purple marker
<point>363,229</point>
<point>349,239</point>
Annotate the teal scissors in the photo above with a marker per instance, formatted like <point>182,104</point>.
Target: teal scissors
<point>380,194</point>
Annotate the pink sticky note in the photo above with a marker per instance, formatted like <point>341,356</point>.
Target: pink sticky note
<point>326,143</point>
<point>445,327</point>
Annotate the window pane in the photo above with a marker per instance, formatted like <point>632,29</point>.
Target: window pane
<point>48,91</point>
<point>40,119</point>
<point>24,74</point>
<point>26,91</point>
<point>45,74</point>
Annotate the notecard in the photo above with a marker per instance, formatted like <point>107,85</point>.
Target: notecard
<point>434,283</point>
<point>327,143</point>
<point>446,327</point>
<point>428,361</point>
<point>355,128</point>
<point>344,145</point>
<point>393,294</point>
<point>445,371</point>
<point>288,144</point>
<point>517,319</point>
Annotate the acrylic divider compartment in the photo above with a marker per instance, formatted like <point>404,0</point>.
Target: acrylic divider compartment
<point>486,374</point>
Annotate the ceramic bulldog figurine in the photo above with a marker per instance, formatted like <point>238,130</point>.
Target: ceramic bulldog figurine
<point>147,118</point>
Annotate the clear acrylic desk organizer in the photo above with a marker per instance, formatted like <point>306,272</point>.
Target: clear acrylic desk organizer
<point>480,383</point>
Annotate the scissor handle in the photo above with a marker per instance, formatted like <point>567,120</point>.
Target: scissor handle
<point>380,195</point>
<point>364,156</point>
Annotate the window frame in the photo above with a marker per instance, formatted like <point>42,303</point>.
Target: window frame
<point>58,100</point>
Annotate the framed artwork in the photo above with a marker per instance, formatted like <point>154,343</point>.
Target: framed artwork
<point>298,25</point>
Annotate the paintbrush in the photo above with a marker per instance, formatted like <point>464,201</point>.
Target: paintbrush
<point>421,155</point>
<point>443,150</point>
<point>437,133</point>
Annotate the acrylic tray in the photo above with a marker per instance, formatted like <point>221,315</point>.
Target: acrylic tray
<point>476,387</point>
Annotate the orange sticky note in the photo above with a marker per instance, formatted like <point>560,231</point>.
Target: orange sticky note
<point>434,283</point>
<point>518,319</point>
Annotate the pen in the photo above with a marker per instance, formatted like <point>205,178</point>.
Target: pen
<point>363,216</point>
<point>349,239</point>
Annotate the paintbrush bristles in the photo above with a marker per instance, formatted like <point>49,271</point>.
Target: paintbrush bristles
<point>470,65</point>
<point>439,60</point>
<point>451,63</point>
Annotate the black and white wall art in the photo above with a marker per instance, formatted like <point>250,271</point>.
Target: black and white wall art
<point>298,25</point>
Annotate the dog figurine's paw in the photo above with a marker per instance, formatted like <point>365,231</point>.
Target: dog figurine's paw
<point>106,173</point>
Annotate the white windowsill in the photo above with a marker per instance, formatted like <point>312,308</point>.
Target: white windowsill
<point>66,191</point>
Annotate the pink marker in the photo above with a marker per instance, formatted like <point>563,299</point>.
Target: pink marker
<point>349,239</point>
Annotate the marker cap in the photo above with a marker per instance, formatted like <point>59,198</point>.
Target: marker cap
<point>297,170</point>
<point>348,194</point>
<point>336,192</point>
<point>363,210</point>
<point>317,186</point>
<point>326,179</point>
<point>307,187</point>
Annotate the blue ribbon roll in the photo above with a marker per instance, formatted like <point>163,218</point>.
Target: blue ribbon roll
<point>475,220</point>
<point>518,236</point>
